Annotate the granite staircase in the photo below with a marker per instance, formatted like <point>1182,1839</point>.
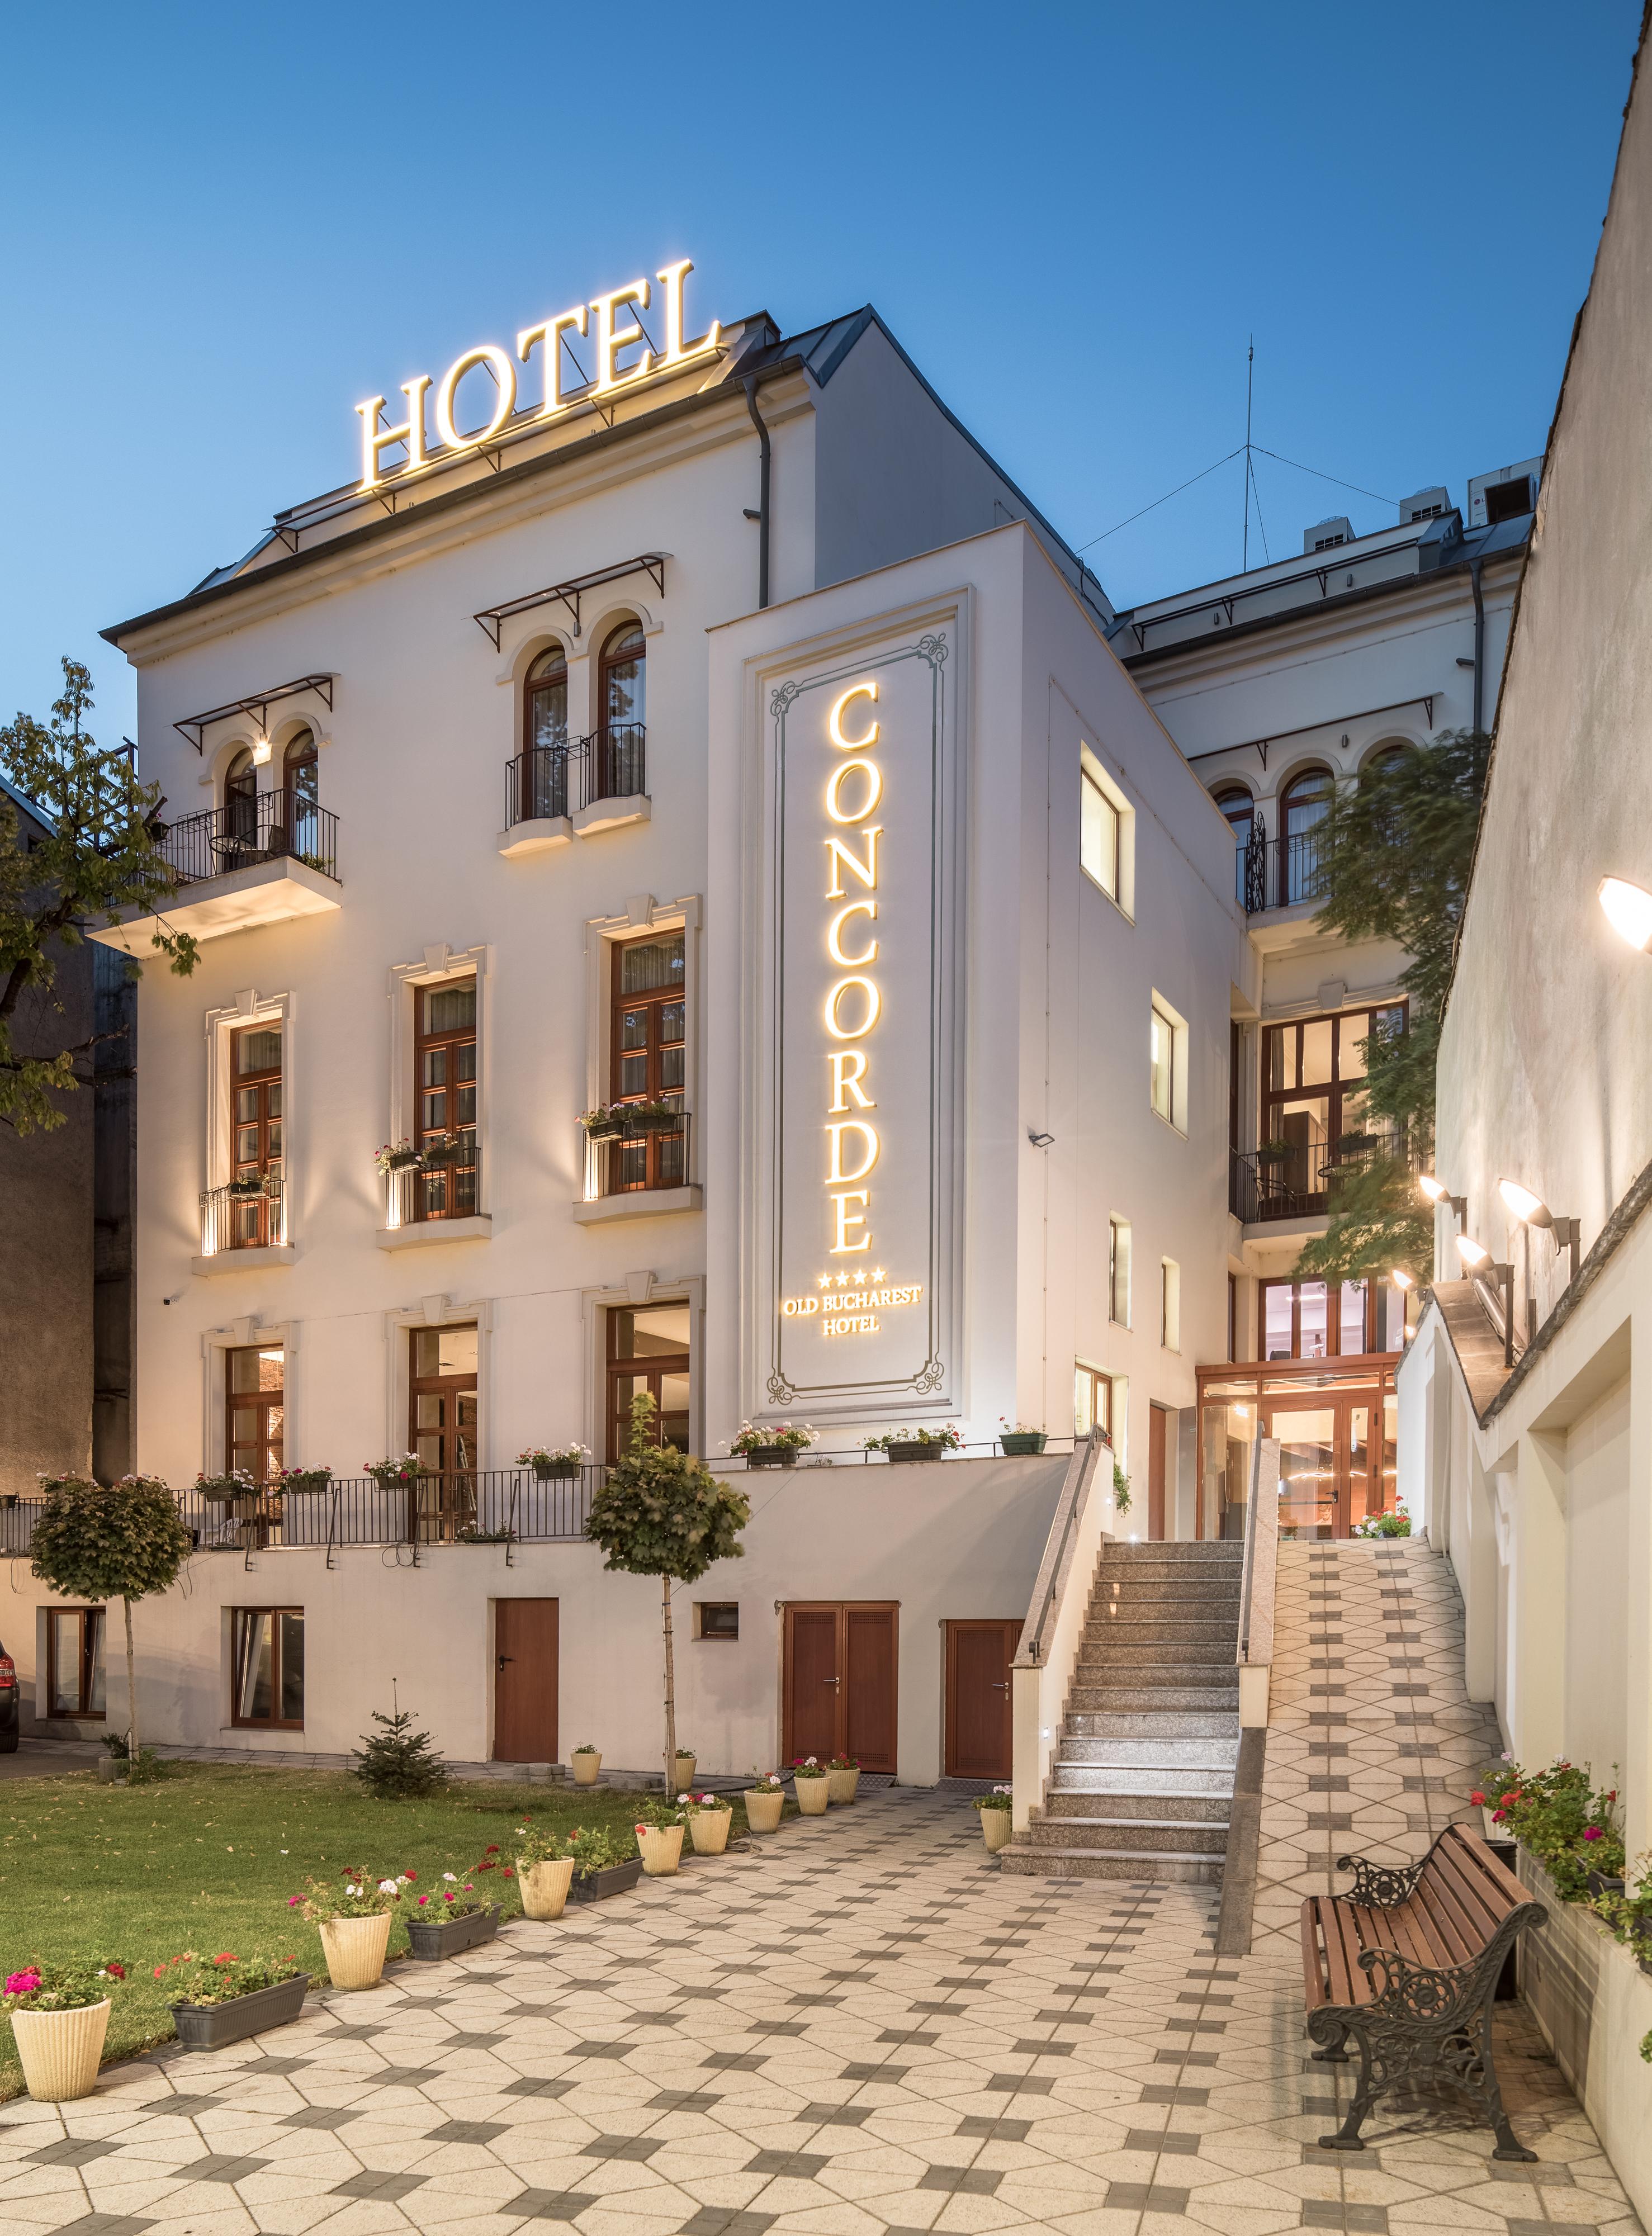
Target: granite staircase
<point>1143,1775</point>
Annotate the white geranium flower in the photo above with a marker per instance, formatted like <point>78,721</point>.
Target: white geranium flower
<point>386,1886</point>
<point>452,1876</point>
<point>353,1891</point>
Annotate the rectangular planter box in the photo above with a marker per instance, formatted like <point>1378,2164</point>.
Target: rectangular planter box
<point>595,1886</point>
<point>214,2026</point>
<point>448,1936</point>
<point>907,1453</point>
<point>1593,2003</point>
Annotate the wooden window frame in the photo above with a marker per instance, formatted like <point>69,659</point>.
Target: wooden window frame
<point>1115,1228</point>
<point>450,1041</point>
<point>609,658</point>
<point>536,800</point>
<point>264,1401</point>
<point>1163,1016</point>
<point>1110,809</point>
<point>704,1607</point>
<point>1100,1397</point>
<point>300,752</point>
<point>239,1615</point>
<point>1332,1316</point>
<point>650,1368</point>
<point>662,1157</point>
<point>1295,794</point>
<point>86,1656</point>
<point>1336,1090</point>
<point>271,1125</point>
<point>456,1485</point>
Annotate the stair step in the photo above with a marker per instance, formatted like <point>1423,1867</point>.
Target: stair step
<point>1105,1778</point>
<point>1142,1866</point>
<point>1150,1724</point>
<point>1182,1835</point>
<point>1159,1807</point>
<point>1181,1586</point>
<point>1180,1676</point>
<point>1166,1653</point>
<point>1127,1697</point>
<point>1212,1752</point>
<point>1158,1630</point>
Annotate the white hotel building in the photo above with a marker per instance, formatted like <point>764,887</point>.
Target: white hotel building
<point>730,741</point>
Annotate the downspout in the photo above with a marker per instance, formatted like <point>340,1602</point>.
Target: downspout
<point>762,501</point>
<point>1479,636</point>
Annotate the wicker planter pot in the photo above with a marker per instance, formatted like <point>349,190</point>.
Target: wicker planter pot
<point>585,1768</point>
<point>1021,1442</point>
<point>614,1879</point>
<point>772,1455</point>
<point>685,1771</point>
<point>763,1811</point>
<point>916,1451</point>
<point>354,1949</point>
<point>447,1936</point>
<point>60,2050</point>
<point>841,1785</point>
<point>661,1849</point>
<point>708,1829</point>
<point>812,1794</point>
<point>544,1887</point>
<point>214,2026</point>
<point>996,1825</point>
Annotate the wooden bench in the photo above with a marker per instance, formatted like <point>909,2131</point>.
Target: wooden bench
<point>1407,1962</point>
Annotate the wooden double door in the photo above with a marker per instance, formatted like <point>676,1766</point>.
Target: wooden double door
<point>979,1727</point>
<point>838,1681</point>
<point>524,1681</point>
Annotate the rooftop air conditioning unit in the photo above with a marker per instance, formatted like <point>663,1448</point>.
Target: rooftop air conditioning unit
<point>1326,535</point>
<point>1427,504</point>
<point>1505,495</point>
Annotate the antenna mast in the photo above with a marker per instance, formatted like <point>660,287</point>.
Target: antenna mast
<point>1250,362</point>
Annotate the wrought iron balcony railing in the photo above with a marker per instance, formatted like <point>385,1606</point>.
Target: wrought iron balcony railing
<point>1270,873</point>
<point>549,781</point>
<point>1300,1179</point>
<point>439,1185</point>
<point>275,826</point>
<point>243,1216</point>
<point>643,1152</point>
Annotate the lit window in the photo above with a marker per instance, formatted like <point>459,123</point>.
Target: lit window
<point>1118,1271</point>
<point>266,1652</point>
<point>1092,1400</point>
<point>1098,843</point>
<point>1170,1307</point>
<point>1163,1062</point>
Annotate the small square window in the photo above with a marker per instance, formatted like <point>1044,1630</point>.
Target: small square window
<point>1099,836</point>
<point>1118,1271</point>
<point>717,1618</point>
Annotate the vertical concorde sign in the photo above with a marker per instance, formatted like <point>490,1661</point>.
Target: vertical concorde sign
<point>859,1224</point>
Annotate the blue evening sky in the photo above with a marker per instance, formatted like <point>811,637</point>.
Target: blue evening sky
<point>220,226</point>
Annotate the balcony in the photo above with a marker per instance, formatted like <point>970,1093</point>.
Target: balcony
<point>1279,873</point>
<point>1297,1178</point>
<point>434,1198</point>
<point>264,860</point>
<point>556,793</point>
<point>243,1226</point>
<point>640,1169</point>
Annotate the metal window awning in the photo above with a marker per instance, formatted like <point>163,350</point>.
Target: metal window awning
<point>1424,698</point>
<point>256,702</point>
<point>651,564</point>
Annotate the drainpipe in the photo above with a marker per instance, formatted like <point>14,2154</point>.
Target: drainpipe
<point>1479,634</point>
<point>762,506</point>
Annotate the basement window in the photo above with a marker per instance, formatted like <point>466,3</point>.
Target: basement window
<point>717,1618</point>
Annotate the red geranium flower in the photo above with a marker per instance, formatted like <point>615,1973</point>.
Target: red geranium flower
<point>116,1969</point>
<point>1478,1800</point>
<point>1593,1832</point>
<point>492,1848</point>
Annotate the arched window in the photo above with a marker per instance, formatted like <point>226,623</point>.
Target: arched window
<point>1302,811</point>
<point>622,704</point>
<point>544,758</point>
<point>1239,808</point>
<point>240,801</point>
<point>299,786</point>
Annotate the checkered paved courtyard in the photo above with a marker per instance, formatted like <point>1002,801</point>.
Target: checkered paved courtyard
<point>863,2026</point>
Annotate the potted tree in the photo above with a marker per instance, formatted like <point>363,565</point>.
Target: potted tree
<point>60,2013</point>
<point>996,1823</point>
<point>453,1919</point>
<point>709,1818</point>
<point>813,1781</point>
<point>544,1869</point>
<point>353,1915</point>
<point>552,1465</point>
<point>125,1540</point>
<point>226,1999</point>
<point>775,1447</point>
<point>662,1514</point>
<point>765,1799</point>
<point>1021,1441</point>
<point>587,1763</point>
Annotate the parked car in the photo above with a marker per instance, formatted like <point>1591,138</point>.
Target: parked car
<point>7,1702</point>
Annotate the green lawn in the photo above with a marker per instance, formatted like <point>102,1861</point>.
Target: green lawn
<point>206,1857</point>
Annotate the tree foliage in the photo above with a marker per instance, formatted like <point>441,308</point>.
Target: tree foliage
<point>99,854</point>
<point>396,1763</point>
<point>120,1541</point>
<point>1396,848</point>
<point>662,1514</point>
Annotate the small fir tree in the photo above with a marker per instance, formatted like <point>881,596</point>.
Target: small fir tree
<point>119,1541</point>
<point>662,1514</point>
<point>396,1763</point>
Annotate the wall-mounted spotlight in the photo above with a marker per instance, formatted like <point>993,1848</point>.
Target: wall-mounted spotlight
<point>1477,1263</point>
<point>1040,1141</point>
<point>261,752</point>
<point>1437,1192</point>
<point>1401,1279</point>
<point>1629,911</point>
<point>1532,1211</point>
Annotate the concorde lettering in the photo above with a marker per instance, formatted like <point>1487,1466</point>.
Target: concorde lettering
<point>609,340</point>
<point>854,1002</point>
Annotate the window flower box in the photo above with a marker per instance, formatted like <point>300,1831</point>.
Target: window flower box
<point>775,1447</point>
<point>652,1117</point>
<point>448,1936</point>
<point>1022,1443</point>
<point>920,1444</point>
<point>602,1125</point>
<point>899,1450</point>
<point>215,2026</point>
<point>554,1466</point>
<point>612,1879</point>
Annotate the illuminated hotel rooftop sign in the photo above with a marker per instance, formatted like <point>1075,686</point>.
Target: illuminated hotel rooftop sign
<point>600,322</point>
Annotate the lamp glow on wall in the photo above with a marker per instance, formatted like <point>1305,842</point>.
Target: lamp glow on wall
<point>1437,1192</point>
<point>1531,1211</point>
<point>1478,1264</point>
<point>1629,911</point>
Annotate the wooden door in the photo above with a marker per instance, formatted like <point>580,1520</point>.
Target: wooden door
<point>979,1722</point>
<point>525,1682</point>
<point>838,1682</point>
<point>1156,1418</point>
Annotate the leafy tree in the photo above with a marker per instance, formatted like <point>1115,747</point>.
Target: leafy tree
<point>397,1763</point>
<point>97,1542</point>
<point>99,854</point>
<point>662,1514</point>
<point>1396,846</point>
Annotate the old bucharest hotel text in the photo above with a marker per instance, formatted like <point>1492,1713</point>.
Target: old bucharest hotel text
<point>683,801</point>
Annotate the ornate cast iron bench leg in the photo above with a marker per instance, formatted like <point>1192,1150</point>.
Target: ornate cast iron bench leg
<point>1370,2085</point>
<point>1333,2033</point>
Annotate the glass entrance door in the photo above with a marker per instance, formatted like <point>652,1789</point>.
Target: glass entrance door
<point>1312,1470</point>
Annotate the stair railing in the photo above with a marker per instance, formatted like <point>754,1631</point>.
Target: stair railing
<point>1053,1630</point>
<point>1254,1654</point>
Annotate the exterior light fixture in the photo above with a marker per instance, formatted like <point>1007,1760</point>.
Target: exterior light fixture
<point>1401,1279</point>
<point>1531,1211</point>
<point>1471,1252</point>
<point>1040,1141</point>
<point>1437,1192</point>
<point>260,751</point>
<point>1629,911</point>
<point>1477,1263</point>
